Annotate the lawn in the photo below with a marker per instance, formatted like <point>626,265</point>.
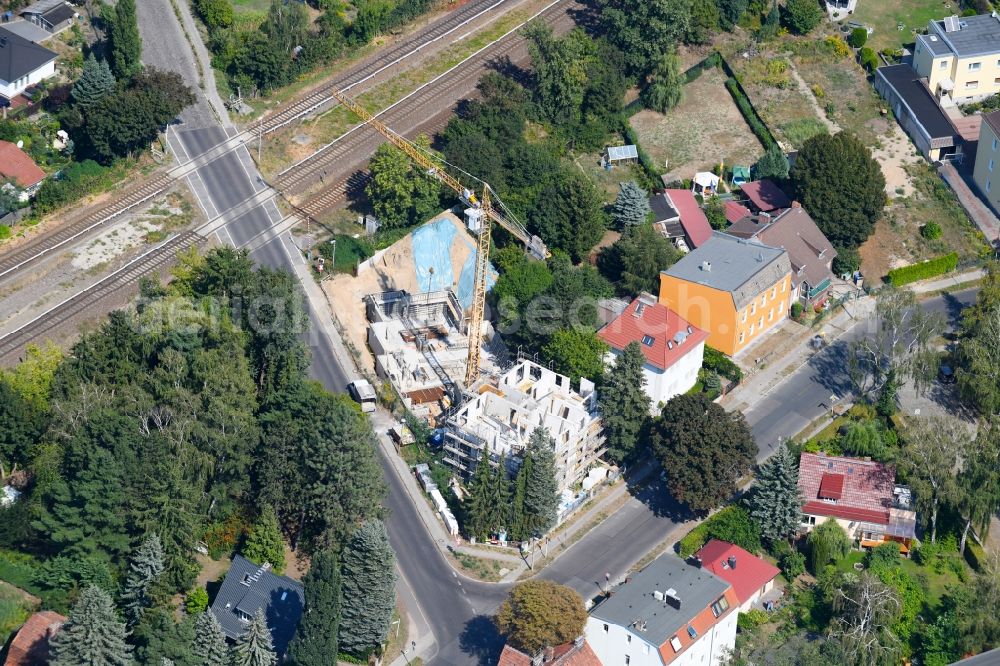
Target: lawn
<point>934,578</point>
<point>885,15</point>
<point>779,101</point>
<point>704,129</point>
<point>14,610</point>
<point>248,6</point>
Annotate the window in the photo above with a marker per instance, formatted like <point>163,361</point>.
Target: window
<point>645,648</point>
<point>760,324</point>
<point>675,643</point>
<point>971,85</point>
<point>605,628</point>
<point>763,300</point>
<point>751,329</point>
<point>720,606</point>
<point>996,81</point>
<point>648,340</point>
<point>784,286</point>
<point>987,184</point>
<point>943,64</point>
<point>975,66</point>
<point>990,165</point>
<point>692,632</point>
<point>744,335</point>
<point>627,660</point>
<point>753,308</point>
<point>628,638</point>
<point>994,143</point>
<point>774,292</point>
<point>770,314</point>
<point>744,316</point>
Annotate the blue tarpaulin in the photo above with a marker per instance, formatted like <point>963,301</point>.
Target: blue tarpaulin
<point>432,246</point>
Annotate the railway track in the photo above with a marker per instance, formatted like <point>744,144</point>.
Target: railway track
<point>333,164</point>
<point>130,198</point>
<point>365,71</point>
<point>13,343</point>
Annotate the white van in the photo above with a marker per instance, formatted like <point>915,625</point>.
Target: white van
<point>363,394</point>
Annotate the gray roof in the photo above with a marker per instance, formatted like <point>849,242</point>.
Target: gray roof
<point>697,589</point>
<point>740,266</point>
<point>936,46</point>
<point>41,6</point>
<point>248,587</point>
<point>809,251</point>
<point>19,57</point>
<point>991,658</point>
<point>662,210</point>
<point>629,152</point>
<point>976,35</point>
<point>913,92</point>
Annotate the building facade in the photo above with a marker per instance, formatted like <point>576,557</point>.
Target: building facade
<point>22,64</point>
<point>960,57</point>
<point>733,288</point>
<point>671,612</point>
<point>498,423</point>
<point>987,167</point>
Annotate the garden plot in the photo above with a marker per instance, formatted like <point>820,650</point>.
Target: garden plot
<point>775,94</point>
<point>704,129</point>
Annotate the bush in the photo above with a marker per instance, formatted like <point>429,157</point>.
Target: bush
<point>732,524</point>
<point>868,59</point>
<point>692,542</point>
<point>722,364</point>
<point>4,232</point>
<point>931,231</point>
<point>792,564</point>
<point>882,557</point>
<point>751,620</point>
<point>926,269</point>
<point>839,46</point>
<point>858,38</point>
<point>974,555</point>
<point>797,310</point>
<point>196,601</point>
<point>757,125</point>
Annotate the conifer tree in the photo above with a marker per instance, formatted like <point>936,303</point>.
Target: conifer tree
<point>774,502</point>
<point>477,509</point>
<point>315,641</point>
<point>144,568</point>
<point>209,641</point>
<point>631,206</point>
<point>96,83</point>
<point>369,589</point>
<point>255,647</point>
<point>772,164</point>
<point>93,635</point>
<point>518,529</point>
<point>541,494</point>
<point>264,543</point>
<point>624,403</point>
<point>126,44</point>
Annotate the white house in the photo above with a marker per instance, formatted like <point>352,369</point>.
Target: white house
<point>671,612</point>
<point>22,64</point>
<point>673,348</point>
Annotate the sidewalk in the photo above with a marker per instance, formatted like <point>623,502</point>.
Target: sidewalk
<point>973,205</point>
<point>928,286</point>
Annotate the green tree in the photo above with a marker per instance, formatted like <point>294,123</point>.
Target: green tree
<point>704,450</point>
<point>560,70</point>
<point>255,647</point>
<point>645,31</point>
<point>867,609</point>
<point>631,206</point>
<point>772,164</point>
<point>775,502</point>
<point>216,14</point>
<point>570,215</point>
<point>541,491</point>
<point>264,542</point>
<point>979,482</point>
<point>576,352</point>
<point>209,646</point>
<point>665,87</point>
<point>635,260</point>
<point>858,37</point>
<point>287,24</point>
<point>144,568</point>
<point>315,641</point>
<point>734,524</point>
<point>801,16</point>
<point>705,21</point>
<point>96,83</point>
<point>401,192</point>
<point>732,11</point>
<point>840,185</point>
<point>479,507</point>
<point>868,59</point>
<point>827,543</point>
<point>624,403</point>
<point>196,601</point>
<point>715,211</point>
<point>369,589</point>
<point>517,528</point>
<point>126,44</point>
<point>159,638</point>
<point>539,614</point>
<point>978,371</point>
<point>934,450</point>
<point>92,635</point>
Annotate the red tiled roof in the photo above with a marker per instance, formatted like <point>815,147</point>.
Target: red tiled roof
<point>696,226</point>
<point>566,654</point>
<point>735,211</point>
<point>831,486</point>
<point>31,645</point>
<point>16,165</point>
<point>866,491</point>
<point>658,325</point>
<point>751,572</point>
<point>765,195</point>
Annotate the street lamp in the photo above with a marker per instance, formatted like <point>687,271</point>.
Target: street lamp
<point>333,259</point>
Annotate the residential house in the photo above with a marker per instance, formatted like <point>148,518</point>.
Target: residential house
<point>861,495</point>
<point>670,612</point>
<point>673,348</point>
<point>917,112</point>
<point>22,64</point>
<point>988,159</point>
<point>764,196</point>
<point>53,16</point>
<point>248,588</point>
<point>498,423</point>
<point>750,576</point>
<point>809,251</point>
<point>677,215</point>
<point>959,57</point>
<point>577,653</point>
<point>30,646</point>
<point>17,167</point>
<point>734,288</point>
<point>735,211</point>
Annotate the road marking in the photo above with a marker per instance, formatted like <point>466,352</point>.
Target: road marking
<point>454,574</point>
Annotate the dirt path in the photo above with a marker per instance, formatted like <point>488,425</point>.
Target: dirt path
<point>831,126</point>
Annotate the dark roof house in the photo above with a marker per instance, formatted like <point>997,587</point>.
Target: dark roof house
<point>916,110</point>
<point>19,59</point>
<point>249,587</point>
<point>765,196</point>
<point>51,15</point>
<point>676,213</point>
<point>809,251</point>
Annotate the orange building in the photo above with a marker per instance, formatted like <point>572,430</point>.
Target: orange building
<point>734,288</point>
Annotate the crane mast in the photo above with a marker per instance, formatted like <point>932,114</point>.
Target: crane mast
<point>486,217</point>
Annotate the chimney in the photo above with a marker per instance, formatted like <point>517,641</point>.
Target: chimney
<point>672,598</point>
<point>706,266</point>
<point>732,561</point>
<point>696,561</point>
<point>550,652</point>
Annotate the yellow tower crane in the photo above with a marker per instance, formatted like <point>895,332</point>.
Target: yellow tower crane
<point>479,218</point>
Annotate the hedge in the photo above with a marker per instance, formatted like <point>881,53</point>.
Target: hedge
<point>714,60</point>
<point>722,364</point>
<point>732,524</point>
<point>927,269</point>
<point>644,158</point>
<point>750,114</point>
